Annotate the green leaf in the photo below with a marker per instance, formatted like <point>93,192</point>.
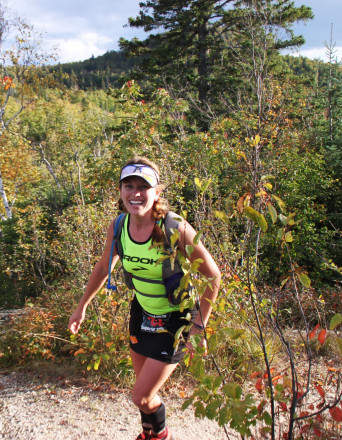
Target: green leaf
<point>304,279</point>
<point>208,182</point>
<point>232,390</point>
<point>339,344</point>
<point>174,237</point>
<point>198,183</point>
<point>272,212</point>
<point>186,404</point>
<point>96,364</point>
<point>189,249</point>
<point>267,177</point>
<point>211,409</point>
<point>256,217</point>
<point>281,204</point>
<point>284,282</point>
<point>234,333</point>
<point>222,216</point>
<point>288,237</point>
<point>217,382</point>
<point>105,356</point>
<point>335,321</point>
<point>262,223</point>
<point>198,237</point>
<point>267,418</point>
<point>283,219</point>
<point>199,411</point>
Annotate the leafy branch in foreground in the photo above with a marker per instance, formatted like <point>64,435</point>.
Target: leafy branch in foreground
<point>286,395</point>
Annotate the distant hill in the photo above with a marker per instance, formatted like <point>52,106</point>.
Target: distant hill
<point>102,72</point>
<point>108,70</point>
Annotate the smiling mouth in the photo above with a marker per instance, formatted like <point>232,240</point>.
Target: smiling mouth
<point>136,202</point>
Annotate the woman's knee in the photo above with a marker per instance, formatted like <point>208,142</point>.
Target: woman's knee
<point>140,399</point>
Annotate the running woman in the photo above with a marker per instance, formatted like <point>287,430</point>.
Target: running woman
<point>154,320</point>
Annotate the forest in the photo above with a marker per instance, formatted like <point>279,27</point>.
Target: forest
<point>248,141</point>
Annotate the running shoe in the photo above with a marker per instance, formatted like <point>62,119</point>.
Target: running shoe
<point>164,435</point>
<point>145,435</point>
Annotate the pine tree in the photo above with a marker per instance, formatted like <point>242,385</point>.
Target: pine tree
<point>198,45</point>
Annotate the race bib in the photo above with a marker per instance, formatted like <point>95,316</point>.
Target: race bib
<point>154,323</point>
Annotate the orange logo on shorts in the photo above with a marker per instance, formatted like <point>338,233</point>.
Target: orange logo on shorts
<point>133,339</point>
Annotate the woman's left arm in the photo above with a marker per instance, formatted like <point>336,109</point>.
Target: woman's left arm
<point>208,268</point>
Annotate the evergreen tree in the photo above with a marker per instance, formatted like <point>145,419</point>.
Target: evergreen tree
<point>197,43</point>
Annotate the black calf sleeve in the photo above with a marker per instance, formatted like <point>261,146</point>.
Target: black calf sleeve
<point>145,421</point>
<point>157,419</point>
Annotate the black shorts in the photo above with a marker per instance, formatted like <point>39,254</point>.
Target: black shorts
<point>153,336</point>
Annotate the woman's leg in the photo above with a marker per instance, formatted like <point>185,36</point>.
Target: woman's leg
<point>150,376</point>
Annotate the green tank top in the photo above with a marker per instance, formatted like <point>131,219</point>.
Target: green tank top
<point>139,260</point>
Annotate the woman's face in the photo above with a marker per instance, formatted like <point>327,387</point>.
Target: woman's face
<point>138,196</point>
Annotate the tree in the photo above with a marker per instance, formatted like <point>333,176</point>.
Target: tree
<point>19,77</point>
<point>199,42</point>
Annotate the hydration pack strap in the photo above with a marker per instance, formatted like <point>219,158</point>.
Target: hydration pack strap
<point>116,227</point>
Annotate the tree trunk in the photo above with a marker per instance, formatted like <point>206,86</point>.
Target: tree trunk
<point>5,200</point>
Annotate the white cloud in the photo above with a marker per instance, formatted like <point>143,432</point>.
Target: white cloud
<point>81,47</point>
<point>316,53</point>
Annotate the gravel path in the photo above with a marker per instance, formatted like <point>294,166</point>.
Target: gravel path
<point>33,408</point>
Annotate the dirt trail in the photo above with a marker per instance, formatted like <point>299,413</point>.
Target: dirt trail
<point>34,408</point>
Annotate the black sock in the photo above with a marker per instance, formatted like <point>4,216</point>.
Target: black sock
<point>157,419</point>
<point>145,421</point>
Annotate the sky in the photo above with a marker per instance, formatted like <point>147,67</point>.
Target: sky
<point>81,29</point>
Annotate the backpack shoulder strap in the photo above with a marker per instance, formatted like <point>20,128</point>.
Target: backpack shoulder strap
<point>172,221</point>
<point>117,225</point>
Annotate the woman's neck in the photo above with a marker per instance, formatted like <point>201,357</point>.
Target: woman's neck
<point>140,228</point>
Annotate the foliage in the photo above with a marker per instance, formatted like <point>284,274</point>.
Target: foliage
<point>259,179</point>
<point>215,52</point>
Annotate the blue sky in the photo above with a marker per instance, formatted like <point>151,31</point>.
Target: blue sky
<point>82,28</point>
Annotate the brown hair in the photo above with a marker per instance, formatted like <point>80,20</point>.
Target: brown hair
<point>160,206</point>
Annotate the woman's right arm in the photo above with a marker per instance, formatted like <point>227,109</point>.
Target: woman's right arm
<point>96,281</point>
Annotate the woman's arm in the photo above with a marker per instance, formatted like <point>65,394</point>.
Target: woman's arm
<point>208,268</point>
<point>96,281</point>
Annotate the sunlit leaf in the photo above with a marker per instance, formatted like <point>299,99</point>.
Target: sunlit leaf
<point>222,216</point>
<point>80,351</point>
<point>255,374</point>
<point>284,282</point>
<point>198,183</point>
<point>256,217</point>
<point>313,332</point>
<point>281,204</point>
<point>322,336</point>
<point>335,321</point>
<point>283,219</point>
<point>304,279</point>
<point>189,249</point>
<point>208,182</point>
<point>288,237</point>
<point>260,385</point>
<point>197,237</point>
<point>272,212</point>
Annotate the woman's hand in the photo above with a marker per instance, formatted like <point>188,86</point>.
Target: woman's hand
<point>76,320</point>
